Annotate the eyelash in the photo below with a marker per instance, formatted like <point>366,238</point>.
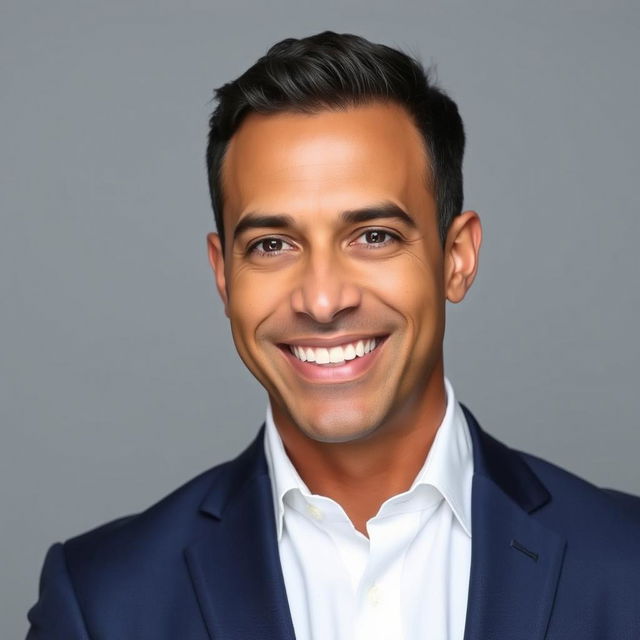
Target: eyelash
<point>375,245</point>
<point>253,247</point>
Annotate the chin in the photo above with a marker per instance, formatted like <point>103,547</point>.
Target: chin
<point>341,425</point>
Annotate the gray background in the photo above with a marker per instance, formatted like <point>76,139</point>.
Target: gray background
<point>119,378</point>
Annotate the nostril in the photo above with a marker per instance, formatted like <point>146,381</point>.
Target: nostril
<point>323,301</point>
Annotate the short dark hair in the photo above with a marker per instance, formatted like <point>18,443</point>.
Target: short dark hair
<point>334,71</point>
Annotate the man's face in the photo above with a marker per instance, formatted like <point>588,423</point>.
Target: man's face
<point>333,274</point>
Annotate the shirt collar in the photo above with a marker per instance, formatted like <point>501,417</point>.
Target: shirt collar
<point>283,474</point>
<point>448,466</point>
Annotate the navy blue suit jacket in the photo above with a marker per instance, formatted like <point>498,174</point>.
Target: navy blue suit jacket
<point>552,557</point>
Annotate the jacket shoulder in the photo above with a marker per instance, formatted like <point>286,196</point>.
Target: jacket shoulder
<point>582,502</point>
<point>153,541</point>
<point>130,574</point>
<point>170,517</point>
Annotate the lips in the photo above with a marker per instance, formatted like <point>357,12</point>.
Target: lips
<point>345,360</point>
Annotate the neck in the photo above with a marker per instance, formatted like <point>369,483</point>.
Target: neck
<point>361,474</point>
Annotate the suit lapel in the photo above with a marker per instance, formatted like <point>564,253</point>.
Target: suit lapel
<point>515,561</point>
<point>234,565</point>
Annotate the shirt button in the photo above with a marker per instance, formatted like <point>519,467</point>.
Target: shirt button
<point>314,512</point>
<point>374,595</point>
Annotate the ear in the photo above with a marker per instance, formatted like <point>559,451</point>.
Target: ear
<point>462,248</point>
<point>216,260</point>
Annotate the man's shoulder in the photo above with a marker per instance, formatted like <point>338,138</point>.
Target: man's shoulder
<point>579,506</point>
<point>551,493</point>
<point>114,575</point>
<point>156,520</point>
<point>599,527</point>
<point>157,536</point>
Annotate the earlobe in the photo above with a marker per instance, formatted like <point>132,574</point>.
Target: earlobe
<point>461,255</point>
<point>216,260</point>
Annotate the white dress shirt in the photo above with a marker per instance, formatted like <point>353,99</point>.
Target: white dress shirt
<point>410,578</point>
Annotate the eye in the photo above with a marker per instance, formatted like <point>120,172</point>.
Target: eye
<point>375,238</point>
<point>269,247</point>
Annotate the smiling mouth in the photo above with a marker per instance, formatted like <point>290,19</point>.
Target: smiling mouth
<point>337,355</point>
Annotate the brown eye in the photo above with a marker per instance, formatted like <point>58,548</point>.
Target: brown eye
<point>375,236</point>
<point>269,247</point>
<point>272,244</point>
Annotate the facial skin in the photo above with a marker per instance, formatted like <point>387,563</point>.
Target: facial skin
<point>331,238</point>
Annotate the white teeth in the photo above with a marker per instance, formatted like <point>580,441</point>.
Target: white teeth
<point>334,355</point>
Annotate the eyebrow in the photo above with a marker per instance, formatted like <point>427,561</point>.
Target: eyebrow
<point>376,212</point>
<point>255,220</point>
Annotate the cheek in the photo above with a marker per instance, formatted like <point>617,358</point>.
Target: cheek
<point>409,285</point>
<point>254,299</point>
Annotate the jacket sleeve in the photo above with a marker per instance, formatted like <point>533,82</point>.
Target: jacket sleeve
<point>56,615</point>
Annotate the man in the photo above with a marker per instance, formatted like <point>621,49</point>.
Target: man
<point>371,504</point>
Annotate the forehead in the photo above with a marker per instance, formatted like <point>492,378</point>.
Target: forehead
<point>304,164</point>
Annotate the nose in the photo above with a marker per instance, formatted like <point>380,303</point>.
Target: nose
<point>325,289</point>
